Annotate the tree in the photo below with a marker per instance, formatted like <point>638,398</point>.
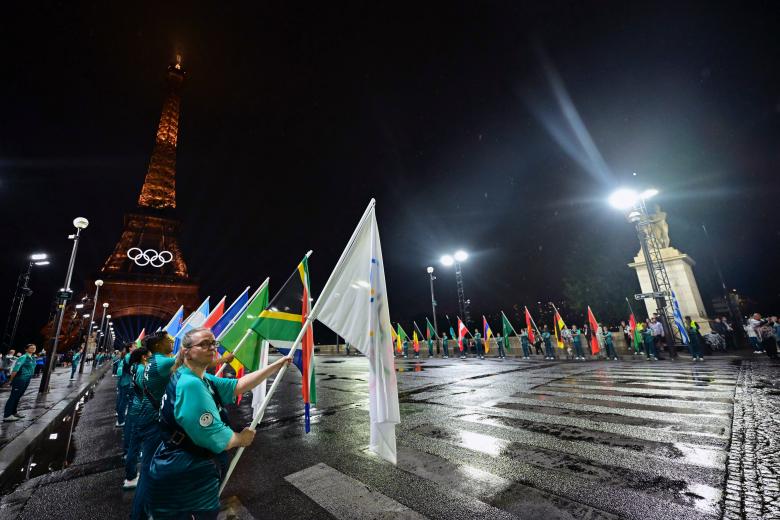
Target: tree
<point>596,274</point>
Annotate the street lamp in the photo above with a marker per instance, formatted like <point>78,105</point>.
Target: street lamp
<point>433,306</point>
<point>456,259</point>
<point>632,203</point>
<point>22,291</point>
<point>98,285</point>
<point>99,335</point>
<point>63,296</point>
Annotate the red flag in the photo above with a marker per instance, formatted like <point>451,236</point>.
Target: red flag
<point>594,330</point>
<point>462,331</point>
<point>529,326</point>
<point>215,315</point>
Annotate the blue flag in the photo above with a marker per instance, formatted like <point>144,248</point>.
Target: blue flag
<point>175,324</point>
<point>678,320</point>
<point>194,320</point>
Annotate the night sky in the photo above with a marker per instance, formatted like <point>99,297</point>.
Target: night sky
<point>492,127</point>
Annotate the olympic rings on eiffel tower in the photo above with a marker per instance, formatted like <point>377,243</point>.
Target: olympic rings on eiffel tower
<point>149,257</point>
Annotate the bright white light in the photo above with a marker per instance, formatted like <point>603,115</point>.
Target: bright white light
<point>430,270</point>
<point>623,199</point>
<point>652,192</point>
<point>98,282</point>
<point>39,256</point>
<point>53,436</point>
<point>79,305</point>
<point>461,255</point>
<point>42,262</point>
<point>80,223</point>
<point>85,316</point>
<point>105,305</point>
<point>447,260</point>
<point>108,316</point>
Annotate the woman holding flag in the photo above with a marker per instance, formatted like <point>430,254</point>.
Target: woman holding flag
<point>187,467</point>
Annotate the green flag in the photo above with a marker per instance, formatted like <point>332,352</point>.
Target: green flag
<point>430,332</point>
<point>249,353</point>
<point>508,328</point>
<point>402,336</point>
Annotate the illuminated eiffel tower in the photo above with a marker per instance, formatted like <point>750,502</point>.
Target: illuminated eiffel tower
<point>146,275</point>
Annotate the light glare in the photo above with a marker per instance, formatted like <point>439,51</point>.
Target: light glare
<point>461,255</point>
<point>447,260</point>
<point>623,198</point>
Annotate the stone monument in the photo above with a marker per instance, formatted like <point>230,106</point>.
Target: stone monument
<point>679,268</point>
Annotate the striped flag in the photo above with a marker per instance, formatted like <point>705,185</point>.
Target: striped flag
<point>558,326</point>
<point>678,320</point>
<point>140,338</point>
<point>281,322</point>
<point>462,331</point>
<point>594,332</point>
<point>487,333</point>
<point>529,326</point>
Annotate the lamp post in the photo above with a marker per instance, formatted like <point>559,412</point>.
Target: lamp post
<point>99,335</point>
<point>21,292</point>
<point>433,307</point>
<point>98,285</point>
<point>464,305</point>
<point>63,296</point>
<point>633,203</point>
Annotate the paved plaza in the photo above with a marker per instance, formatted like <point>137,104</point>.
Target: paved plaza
<point>480,439</point>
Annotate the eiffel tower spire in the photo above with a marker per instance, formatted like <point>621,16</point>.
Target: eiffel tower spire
<point>159,189</point>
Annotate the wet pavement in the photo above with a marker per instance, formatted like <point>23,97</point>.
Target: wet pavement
<point>480,439</point>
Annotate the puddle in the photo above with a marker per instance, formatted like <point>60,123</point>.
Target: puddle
<point>54,451</point>
<point>331,361</point>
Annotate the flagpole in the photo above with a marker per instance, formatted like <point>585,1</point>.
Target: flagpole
<point>306,324</point>
<point>422,336</point>
<point>630,310</point>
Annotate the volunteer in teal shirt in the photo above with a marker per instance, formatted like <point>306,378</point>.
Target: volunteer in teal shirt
<point>152,380</point>
<point>138,359</point>
<point>21,373</point>
<point>124,387</point>
<point>187,468</point>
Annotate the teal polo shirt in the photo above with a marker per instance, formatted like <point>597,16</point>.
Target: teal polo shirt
<point>197,413</point>
<point>24,368</point>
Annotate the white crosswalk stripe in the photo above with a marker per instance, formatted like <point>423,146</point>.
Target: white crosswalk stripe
<point>610,442</point>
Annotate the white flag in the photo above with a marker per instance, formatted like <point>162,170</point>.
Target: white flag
<point>354,305</point>
<point>258,392</point>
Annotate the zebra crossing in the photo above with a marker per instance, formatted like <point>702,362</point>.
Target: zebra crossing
<point>519,439</point>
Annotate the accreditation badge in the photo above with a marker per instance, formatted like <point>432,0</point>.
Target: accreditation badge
<point>206,419</point>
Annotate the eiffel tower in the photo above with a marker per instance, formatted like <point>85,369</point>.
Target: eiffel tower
<point>146,275</point>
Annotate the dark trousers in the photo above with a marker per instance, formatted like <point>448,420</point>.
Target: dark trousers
<point>122,400</point>
<point>132,444</point>
<point>548,351</point>
<point>578,349</point>
<point>611,351</point>
<point>501,352</point>
<point>650,348</point>
<point>526,350</point>
<point>694,348</point>
<point>18,386</point>
<point>446,349</point>
<point>480,349</point>
<point>538,348</point>
<point>149,434</point>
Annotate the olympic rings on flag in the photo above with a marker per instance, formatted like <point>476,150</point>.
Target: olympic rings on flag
<point>149,257</point>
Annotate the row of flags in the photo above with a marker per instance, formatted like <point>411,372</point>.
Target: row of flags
<point>353,303</point>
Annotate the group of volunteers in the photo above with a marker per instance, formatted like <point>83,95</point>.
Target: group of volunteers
<point>175,424</point>
<point>644,339</point>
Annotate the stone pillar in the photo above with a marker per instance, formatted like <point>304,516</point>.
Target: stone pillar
<point>679,268</point>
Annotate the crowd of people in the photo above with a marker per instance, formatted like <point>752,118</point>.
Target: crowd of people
<point>647,339</point>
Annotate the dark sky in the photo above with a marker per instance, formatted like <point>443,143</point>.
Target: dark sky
<point>448,113</point>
